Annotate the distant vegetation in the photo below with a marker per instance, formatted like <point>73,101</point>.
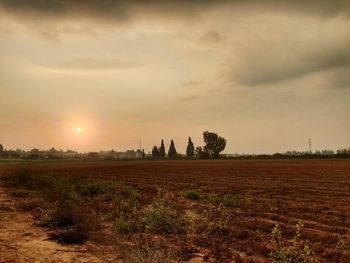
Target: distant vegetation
<point>213,146</point>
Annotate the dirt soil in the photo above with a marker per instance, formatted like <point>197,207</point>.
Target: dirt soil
<point>22,241</point>
<point>314,192</point>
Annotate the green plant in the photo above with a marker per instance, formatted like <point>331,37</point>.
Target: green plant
<point>122,226</point>
<point>27,179</point>
<point>192,194</point>
<point>129,192</point>
<point>229,200</point>
<point>290,251</point>
<point>93,187</point>
<point>162,218</point>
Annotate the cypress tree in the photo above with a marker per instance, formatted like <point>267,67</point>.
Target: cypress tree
<point>172,151</point>
<point>190,148</point>
<point>162,150</point>
<point>155,152</point>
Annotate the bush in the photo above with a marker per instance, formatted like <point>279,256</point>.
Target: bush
<point>229,200</point>
<point>77,220</point>
<point>91,188</point>
<point>290,251</point>
<point>122,226</point>
<point>27,179</point>
<point>129,192</point>
<point>162,218</point>
<point>193,195</point>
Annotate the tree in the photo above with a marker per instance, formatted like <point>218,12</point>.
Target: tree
<point>214,144</point>
<point>162,150</point>
<point>155,152</point>
<point>1,150</point>
<point>190,148</point>
<point>172,151</point>
<point>201,154</point>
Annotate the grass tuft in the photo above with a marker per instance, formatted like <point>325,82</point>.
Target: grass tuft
<point>192,195</point>
<point>164,219</point>
<point>229,200</point>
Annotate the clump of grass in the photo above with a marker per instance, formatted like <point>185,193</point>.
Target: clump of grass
<point>229,200</point>
<point>27,179</point>
<point>76,219</point>
<point>295,250</point>
<point>93,187</point>
<point>122,226</point>
<point>164,219</point>
<point>64,209</point>
<point>192,195</point>
<point>143,250</point>
<point>129,192</point>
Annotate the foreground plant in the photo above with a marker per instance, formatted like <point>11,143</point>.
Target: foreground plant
<point>295,250</point>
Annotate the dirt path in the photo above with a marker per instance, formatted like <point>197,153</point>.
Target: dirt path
<point>22,241</point>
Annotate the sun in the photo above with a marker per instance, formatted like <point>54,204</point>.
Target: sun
<point>78,129</point>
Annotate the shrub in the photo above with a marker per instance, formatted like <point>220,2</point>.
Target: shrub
<point>162,218</point>
<point>290,251</point>
<point>122,226</point>
<point>27,179</point>
<point>229,200</point>
<point>129,192</point>
<point>91,188</point>
<point>191,194</point>
<point>77,220</point>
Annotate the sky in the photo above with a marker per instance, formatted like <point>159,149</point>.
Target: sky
<point>266,75</point>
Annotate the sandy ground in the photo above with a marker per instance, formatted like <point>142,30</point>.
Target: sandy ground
<point>22,241</point>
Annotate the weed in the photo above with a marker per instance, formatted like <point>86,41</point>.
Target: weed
<point>192,194</point>
<point>144,251</point>
<point>290,251</point>
<point>162,218</point>
<point>91,188</point>
<point>129,192</point>
<point>229,200</point>
<point>122,226</point>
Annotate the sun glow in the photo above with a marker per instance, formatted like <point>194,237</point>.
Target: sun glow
<point>78,129</point>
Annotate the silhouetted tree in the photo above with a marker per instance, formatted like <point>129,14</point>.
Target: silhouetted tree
<point>172,151</point>
<point>214,144</point>
<point>201,154</point>
<point>162,150</point>
<point>1,150</point>
<point>155,152</point>
<point>190,148</point>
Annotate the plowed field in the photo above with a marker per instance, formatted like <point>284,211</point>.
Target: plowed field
<point>315,193</point>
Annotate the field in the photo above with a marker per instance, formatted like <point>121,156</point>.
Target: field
<point>188,211</point>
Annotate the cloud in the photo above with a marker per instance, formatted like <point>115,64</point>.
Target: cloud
<point>90,64</point>
<point>104,10</point>
<point>189,98</point>
<point>211,37</point>
<point>261,67</point>
<point>123,10</point>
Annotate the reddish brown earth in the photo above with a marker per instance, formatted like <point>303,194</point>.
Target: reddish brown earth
<point>314,192</point>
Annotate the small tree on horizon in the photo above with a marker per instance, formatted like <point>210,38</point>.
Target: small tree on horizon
<point>155,152</point>
<point>190,148</point>
<point>172,151</point>
<point>161,151</point>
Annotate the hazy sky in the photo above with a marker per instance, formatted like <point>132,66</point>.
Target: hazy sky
<point>266,75</point>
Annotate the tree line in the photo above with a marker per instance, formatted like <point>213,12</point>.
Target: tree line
<point>214,144</point>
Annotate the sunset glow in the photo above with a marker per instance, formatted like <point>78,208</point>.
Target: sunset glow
<point>267,75</point>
